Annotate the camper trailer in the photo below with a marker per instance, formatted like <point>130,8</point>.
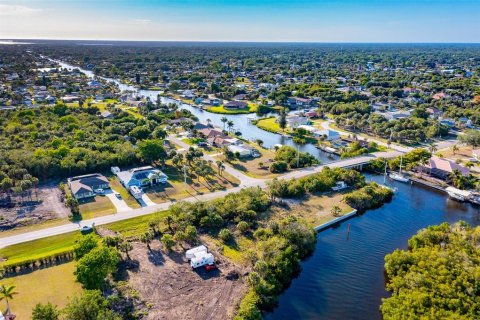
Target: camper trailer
<point>202,259</point>
<point>190,254</point>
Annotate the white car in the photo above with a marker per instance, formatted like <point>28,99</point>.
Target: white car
<point>99,191</point>
<point>86,229</point>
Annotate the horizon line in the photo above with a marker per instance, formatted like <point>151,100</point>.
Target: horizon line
<point>237,41</point>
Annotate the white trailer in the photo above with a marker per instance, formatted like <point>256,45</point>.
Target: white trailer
<point>201,259</point>
<point>189,254</point>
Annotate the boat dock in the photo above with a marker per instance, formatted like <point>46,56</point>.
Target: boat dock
<point>328,224</point>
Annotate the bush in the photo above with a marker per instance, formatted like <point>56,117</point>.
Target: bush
<point>225,235</point>
<point>278,167</point>
<point>368,197</point>
<point>243,227</point>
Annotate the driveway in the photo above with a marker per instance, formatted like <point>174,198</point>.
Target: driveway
<point>145,201</point>
<point>121,205</point>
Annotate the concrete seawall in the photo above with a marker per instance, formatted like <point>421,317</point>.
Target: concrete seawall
<point>328,224</point>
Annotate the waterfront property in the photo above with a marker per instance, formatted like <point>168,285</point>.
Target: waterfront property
<point>85,186</point>
<point>443,168</point>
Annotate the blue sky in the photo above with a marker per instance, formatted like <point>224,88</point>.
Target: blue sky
<point>247,20</point>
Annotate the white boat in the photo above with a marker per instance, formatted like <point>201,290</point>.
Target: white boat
<point>399,176</point>
<point>457,194</point>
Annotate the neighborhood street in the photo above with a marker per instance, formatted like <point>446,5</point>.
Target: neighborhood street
<point>151,208</point>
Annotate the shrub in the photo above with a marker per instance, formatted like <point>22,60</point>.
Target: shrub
<point>278,167</point>
<point>225,235</point>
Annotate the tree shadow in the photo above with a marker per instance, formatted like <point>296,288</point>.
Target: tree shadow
<point>155,257</point>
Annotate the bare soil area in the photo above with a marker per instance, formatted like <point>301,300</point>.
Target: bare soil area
<point>45,204</point>
<point>174,291</point>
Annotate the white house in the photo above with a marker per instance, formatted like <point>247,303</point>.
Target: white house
<point>294,121</point>
<point>141,177</point>
<point>330,135</point>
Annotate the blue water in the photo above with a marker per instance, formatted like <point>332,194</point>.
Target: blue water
<point>344,277</point>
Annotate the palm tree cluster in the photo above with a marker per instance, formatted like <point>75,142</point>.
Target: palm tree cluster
<point>7,293</point>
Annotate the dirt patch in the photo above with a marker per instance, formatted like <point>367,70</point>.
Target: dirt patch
<point>175,291</point>
<point>44,204</point>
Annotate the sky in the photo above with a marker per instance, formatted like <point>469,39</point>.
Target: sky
<point>248,20</point>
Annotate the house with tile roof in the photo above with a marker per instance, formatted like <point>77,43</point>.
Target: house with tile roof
<point>84,186</point>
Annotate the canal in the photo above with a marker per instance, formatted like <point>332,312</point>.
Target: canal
<point>242,122</point>
<point>344,278</point>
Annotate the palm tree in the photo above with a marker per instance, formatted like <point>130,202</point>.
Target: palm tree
<point>209,121</point>
<point>224,120</point>
<point>6,292</point>
<point>230,125</point>
<point>147,238</point>
<point>220,166</point>
<point>454,149</point>
<point>432,148</point>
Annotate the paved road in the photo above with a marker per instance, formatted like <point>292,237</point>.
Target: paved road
<point>245,182</point>
<point>326,125</point>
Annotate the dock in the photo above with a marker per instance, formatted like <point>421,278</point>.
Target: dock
<point>333,222</point>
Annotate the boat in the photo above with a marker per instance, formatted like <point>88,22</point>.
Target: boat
<point>457,194</point>
<point>399,176</point>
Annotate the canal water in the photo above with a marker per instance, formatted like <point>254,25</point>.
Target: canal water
<point>242,122</point>
<point>344,277</point>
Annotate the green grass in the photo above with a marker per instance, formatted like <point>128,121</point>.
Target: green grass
<point>220,109</point>
<point>38,249</point>
<point>96,207</point>
<point>134,227</point>
<point>269,124</point>
<point>55,284</point>
<point>126,196</point>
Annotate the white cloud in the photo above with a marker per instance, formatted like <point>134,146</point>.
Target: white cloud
<point>17,11</point>
<point>143,20</point>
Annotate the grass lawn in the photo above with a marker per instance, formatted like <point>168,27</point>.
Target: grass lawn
<point>251,166</point>
<point>269,124</point>
<point>96,207</point>
<point>174,189</point>
<point>135,226</point>
<point>220,109</point>
<point>40,248</point>
<point>55,284</point>
<point>126,196</point>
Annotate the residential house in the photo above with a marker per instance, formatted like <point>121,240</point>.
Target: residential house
<point>329,135</point>
<point>140,177</point>
<point>442,168</point>
<point>242,150</point>
<point>297,102</point>
<point>235,105</point>
<point>211,133</point>
<point>85,186</point>
<point>434,112</point>
<point>293,121</point>
<point>106,115</point>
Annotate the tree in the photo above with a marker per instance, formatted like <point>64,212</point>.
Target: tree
<point>243,226</point>
<point>152,150</point>
<point>432,148</point>
<point>126,247</point>
<point>454,149</point>
<point>95,266</point>
<point>220,167</point>
<point>191,233</point>
<point>168,241</point>
<point>45,312</point>
<point>282,120</point>
<point>90,305</point>
<point>85,245</point>
<point>225,235</point>
<point>7,293</point>
<point>471,137</point>
<point>147,238</point>
<point>230,125</point>
<point>224,120</point>
<point>336,211</point>
<point>72,204</point>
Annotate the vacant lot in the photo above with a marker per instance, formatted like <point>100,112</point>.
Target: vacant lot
<point>46,205</point>
<point>55,284</point>
<point>175,291</point>
<point>254,167</point>
<point>175,188</point>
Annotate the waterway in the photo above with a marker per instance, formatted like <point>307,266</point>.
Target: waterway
<point>344,278</point>
<point>242,122</point>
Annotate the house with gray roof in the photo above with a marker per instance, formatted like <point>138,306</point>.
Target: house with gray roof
<point>85,186</point>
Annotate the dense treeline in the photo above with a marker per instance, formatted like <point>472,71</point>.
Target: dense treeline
<point>64,141</point>
<point>437,278</point>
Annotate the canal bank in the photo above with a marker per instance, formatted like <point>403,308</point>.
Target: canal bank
<point>343,279</point>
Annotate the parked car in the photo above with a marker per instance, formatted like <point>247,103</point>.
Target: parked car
<point>210,267</point>
<point>86,229</point>
<point>99,191</point>
<point>118,195</point>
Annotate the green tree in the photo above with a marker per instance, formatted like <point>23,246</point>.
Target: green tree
<point>152,150</point>
<point>7,293</point>
<point>336,211</point>
<point>225,235</point>
<point>147,238</point>
<point>282,119</point>
<point>168,241</point>
<point>45,312</point>
<point>90,305</point>
<point>224,120</point>
<point>95,266</point>
<point>85,245</point>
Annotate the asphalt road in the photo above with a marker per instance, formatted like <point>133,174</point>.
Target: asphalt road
<point>245,182</point>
